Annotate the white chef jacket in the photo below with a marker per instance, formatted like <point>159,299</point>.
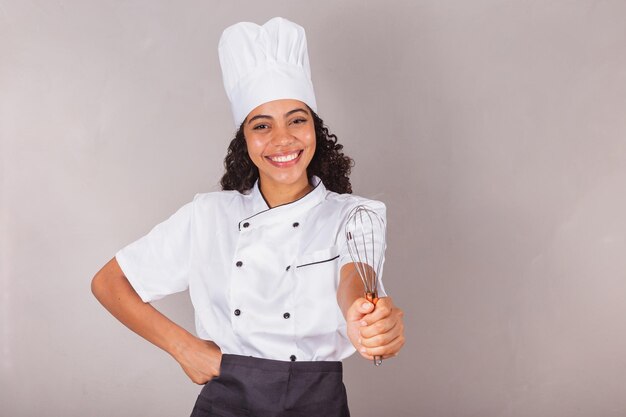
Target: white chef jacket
<point>263,282</point>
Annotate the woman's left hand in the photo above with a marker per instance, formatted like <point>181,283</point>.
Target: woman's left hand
<point>376,330</point>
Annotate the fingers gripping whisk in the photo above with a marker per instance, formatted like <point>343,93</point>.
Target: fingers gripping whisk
<point>365,238</point>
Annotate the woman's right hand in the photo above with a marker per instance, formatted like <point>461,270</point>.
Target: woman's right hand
<point>200,359</point>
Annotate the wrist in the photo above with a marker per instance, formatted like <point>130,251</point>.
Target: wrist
<point>179,343</point>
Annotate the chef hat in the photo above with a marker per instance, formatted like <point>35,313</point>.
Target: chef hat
<point>265,63</point>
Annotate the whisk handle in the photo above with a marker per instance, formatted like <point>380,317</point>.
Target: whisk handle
<point>372,297</point>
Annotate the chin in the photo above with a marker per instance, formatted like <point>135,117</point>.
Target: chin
<point>287,178</point>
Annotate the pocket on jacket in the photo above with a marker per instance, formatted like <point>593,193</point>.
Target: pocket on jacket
<point>318,257</point>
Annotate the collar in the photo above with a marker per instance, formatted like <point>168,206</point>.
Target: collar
<point>285,212</point>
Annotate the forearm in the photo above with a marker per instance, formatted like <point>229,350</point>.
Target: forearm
<point>115,293</point>
<point>350,287</point>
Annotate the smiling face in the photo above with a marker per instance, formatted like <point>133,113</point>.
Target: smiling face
<point>280,136</point>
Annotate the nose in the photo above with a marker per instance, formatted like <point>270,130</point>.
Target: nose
<point>281,136</point>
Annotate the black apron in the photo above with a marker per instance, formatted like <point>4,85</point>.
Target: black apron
<point>255,387</point>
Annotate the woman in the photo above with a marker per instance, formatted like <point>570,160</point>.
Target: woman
<point>277,301</point>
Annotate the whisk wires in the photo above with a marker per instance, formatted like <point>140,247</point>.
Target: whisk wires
<point>365,236</point>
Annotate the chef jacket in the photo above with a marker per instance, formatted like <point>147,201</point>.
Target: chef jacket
<point>263,281</point>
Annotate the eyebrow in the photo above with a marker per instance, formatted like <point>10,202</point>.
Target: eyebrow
<point>265,116</point>
<point>290,112</point>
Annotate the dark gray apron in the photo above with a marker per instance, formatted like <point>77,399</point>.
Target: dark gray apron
<point>255,387</point>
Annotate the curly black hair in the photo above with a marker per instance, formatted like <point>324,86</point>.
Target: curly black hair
<point>328,163</point>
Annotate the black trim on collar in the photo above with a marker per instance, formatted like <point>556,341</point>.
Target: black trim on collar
<point>280,205</point>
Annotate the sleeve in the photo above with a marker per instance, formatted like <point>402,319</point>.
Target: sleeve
<point>157,264</point>
<point>368,231</point>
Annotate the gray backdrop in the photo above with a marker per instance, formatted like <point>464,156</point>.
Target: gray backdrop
<point>494,131</point>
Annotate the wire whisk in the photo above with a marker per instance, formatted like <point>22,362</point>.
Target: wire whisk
<point>365,237</point>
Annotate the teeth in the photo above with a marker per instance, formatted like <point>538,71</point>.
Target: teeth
<point>284,158</point>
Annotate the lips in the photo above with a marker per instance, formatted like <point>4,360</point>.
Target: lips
<point>285,159</point>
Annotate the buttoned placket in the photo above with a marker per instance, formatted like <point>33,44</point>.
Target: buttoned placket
<point>288,219</point>
<point>290,304</point>
<point>285,311</point>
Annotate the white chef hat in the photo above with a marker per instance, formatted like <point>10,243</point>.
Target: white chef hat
<point>265,63</point>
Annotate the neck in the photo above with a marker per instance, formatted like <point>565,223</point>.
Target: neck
<point>278,194</point>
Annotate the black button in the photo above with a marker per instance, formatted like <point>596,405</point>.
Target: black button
<point>296,224</point>
<point>246,224</point>
<point>286,315</point>
<point>293,358</point>
<point>239,263</point>
<point>237,312</point>
<point>287,269</point>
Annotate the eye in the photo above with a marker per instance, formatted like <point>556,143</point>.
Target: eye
<point>260,126</point>
<point>299,120</point>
